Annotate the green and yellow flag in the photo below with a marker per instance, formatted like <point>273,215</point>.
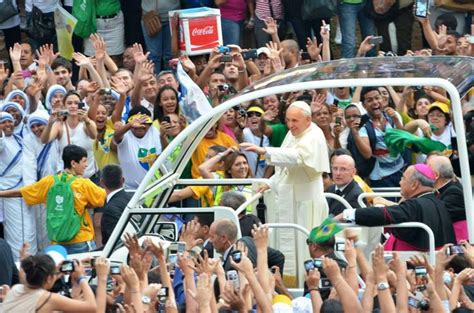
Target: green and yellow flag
<point>324,231</point>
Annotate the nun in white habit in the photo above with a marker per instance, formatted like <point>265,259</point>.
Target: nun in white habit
<point>297,183</point>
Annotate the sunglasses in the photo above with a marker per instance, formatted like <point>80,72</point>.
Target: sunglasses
<point>251,114</point>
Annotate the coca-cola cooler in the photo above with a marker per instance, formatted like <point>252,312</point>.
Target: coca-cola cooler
<point>200,30</point>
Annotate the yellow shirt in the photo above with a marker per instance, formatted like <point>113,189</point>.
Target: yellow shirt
<point>199,154</point>
<point>363,185</point>
<point>103,153</point>
<point>86,195</point>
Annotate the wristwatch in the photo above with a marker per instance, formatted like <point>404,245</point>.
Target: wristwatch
<point>382,286</point>
<point>146,300</point>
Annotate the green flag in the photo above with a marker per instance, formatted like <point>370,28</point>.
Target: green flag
<point>324,231</point>
<point>398,141</point>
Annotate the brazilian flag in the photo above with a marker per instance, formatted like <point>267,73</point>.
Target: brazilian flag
<point>398,141</point>
<point>324,231</point>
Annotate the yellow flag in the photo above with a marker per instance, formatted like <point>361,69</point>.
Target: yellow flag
<point>65,24</point>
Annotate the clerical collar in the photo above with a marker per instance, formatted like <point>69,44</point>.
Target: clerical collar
<point>342,188</point>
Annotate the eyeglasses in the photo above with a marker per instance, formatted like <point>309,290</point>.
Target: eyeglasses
<point>252,114</point>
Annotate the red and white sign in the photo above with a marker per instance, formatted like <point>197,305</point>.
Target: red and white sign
<point>199,30</point>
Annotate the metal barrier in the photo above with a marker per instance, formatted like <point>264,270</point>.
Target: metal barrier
<point>431,240</point>
<point>385,189</point>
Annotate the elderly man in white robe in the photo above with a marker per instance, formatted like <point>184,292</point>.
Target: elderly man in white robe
<point>18,219</point>
<point>297,182</point>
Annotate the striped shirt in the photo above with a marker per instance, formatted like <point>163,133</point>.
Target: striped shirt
<point>262,9</point>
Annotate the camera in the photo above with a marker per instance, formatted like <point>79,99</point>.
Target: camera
<point>454,250</point>
<point>250,54</point>
<point>63,114</point>
<point>318,263</point>
<point>224,49</point>
<point>67,266</point>
<point>423,304</point>
<point>309,265</point>
<point>81,105</point>
<point>166,119</point>
<point>340,246</point>
<point>163,292</point>
<point>226,58</point>
<point>324,283</point>
<point>223,87</point>
<point>115,270</point>
<point>236,256</point>
<point>377,40</point>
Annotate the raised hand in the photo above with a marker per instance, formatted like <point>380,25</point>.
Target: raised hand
<point>204,291</point>
<point>313,48</point>
<point>81,60</point>
<point>155,248</point>
<point>275,52</point>
<point>15,52</point>
<point>379,266</point>
<point>272,26</point>
<point>189,234</point>
<point>129,277</point>
<point>138,54</point>
<point>312,278</point>
<point>46,54</point>
<point>325,32</point>
<point>365,46</point>
<point>205,264</point>
<point>187,64</point>
<point>131,242</point>
<point>118,85</point>
<point>260,236</point>
<point>331,269</point>
<point>102,267</point>
<point>99,45</point>
<point>145,71</point>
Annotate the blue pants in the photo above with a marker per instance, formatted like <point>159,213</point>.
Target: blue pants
<point>159,47</point>
<point>231,32</point>
<point>349,14</point>
<point>80,247</point>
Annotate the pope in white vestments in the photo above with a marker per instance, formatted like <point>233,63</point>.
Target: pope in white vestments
<point>297,182</point>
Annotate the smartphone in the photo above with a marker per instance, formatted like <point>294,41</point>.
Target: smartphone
<point>325,283</point>
<point>363,120</point>
<point>318,263</point>
<point>338,121</point>
<point>172,258</point>
<point>250,54</point>
<point>236,256</point>
<point>421,8</point>
<point>81,105</point>
<point>166,119</point>
<point>226,58</point>
<point>377,40</point>
<point>305,56</point>
<point>115,270</point>
<point>67,266</point>
<point>421,278</point>
<point>163,292</point>
<point>413,302</point>
<point>454,250</point>
<point>233,277</point>
<point>309,265</point>
<point>181,244</point>
<point>340,246</point>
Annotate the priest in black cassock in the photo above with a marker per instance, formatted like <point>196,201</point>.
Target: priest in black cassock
<point>419,204</point>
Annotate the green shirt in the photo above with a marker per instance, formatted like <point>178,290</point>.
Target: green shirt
<point>107,7</point>
<point>278,134</point>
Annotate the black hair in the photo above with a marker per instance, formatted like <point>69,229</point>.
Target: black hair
<point>328,244</point>
<point>112,176</point>
<point>73,153</point>
<point>453,33</point>
<point>340,151</point>
<point>331,306</point>
<point>366,90</point>
<point>37,269</point>
<point>205,219</point>
<point>217,148</point>
<point>71,93</point>
<point>306,97</point>
<point>138,110</point>
<point>448,117</point>
<point>62,62</point>
<point>158,109</point>
<point>448,20</point>
<point>459,263</point>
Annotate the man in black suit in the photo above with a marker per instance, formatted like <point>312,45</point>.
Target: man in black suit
<point>343,171</point>
<point>117,199</point>
<point>449,190</point>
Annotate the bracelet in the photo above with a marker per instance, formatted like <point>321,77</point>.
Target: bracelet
<point>78,281</point>
<point>313,289</point>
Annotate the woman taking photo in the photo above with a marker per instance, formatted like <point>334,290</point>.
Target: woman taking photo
<point>40,274</point>
<point>73,126</point>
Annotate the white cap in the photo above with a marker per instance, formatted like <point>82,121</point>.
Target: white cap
<point>302,106</point>
<point>263,50</point>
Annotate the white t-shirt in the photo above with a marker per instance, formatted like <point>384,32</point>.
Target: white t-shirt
<point>252,157</point>
<point>136,155</point>
<point>445,139</point>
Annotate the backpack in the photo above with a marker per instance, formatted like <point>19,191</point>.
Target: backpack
<point>62,221</point>
<point>364,167</point>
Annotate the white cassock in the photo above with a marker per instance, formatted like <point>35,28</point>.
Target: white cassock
<point>39,160</point>
<point>18,219</point>
<point>298,184</point>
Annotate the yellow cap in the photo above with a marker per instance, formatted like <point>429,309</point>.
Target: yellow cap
<point>440,105</point>
<point>255,109</point>
<point>281,299</point>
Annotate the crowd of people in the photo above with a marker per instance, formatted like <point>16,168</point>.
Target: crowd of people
<point>78,137</point>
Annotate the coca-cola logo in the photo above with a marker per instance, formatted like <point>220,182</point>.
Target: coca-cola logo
<point>208,30</point>
<point>203,32</point>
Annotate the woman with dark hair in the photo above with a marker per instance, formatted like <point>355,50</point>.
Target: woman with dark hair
<point>166,103</point>
<point>323,118</point>
<point>40,274</point>
<point>73,126</point>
